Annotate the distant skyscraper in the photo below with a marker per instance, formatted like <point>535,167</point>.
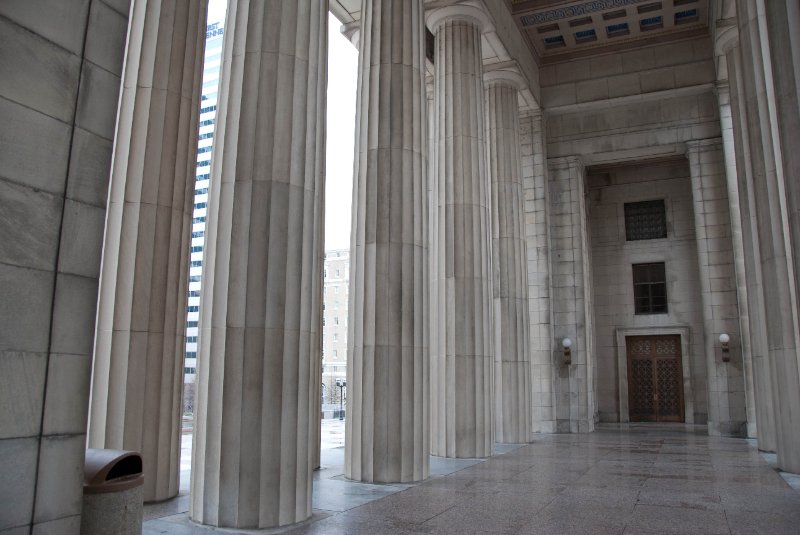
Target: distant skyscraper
<point>208,112</point>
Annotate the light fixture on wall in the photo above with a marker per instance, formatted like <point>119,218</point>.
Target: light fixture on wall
<point>726,350</point>
<point>567,344</point>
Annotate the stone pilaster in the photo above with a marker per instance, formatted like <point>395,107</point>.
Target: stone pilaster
<point>141,319</point>
<point>537,200</point>
<point>770,53</point>
<point>725,380</point>
<point>62,67</point>
<point>257,391</point>
<point>756,310</point>
<point>387,425</point>
<point>509,258</point>
<point>737,241</point>
<point>572,302</point>
<point>462,359</point>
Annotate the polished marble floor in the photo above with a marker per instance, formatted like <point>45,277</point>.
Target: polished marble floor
<point>623,479</point>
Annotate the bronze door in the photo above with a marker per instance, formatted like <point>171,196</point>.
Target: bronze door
<point>655,378</point>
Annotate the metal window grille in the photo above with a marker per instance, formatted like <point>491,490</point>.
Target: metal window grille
<point>646,220</point>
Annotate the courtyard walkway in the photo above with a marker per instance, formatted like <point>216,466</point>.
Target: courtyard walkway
<point>620,479</point>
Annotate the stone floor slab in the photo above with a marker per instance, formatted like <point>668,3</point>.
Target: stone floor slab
<point>631,479</point>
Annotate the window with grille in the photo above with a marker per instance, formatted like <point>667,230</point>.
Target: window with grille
<point>650,288</point>
<point>645,220</point>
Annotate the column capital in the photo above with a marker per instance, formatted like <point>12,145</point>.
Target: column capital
<point>352,30</point>
<point>727,37</point>
<point>472,11</point>
<point>507,73</point>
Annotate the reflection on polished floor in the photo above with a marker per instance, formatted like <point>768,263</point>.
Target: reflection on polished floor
<point>638,478</point>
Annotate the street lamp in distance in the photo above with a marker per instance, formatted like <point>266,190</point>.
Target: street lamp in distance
<point>341,383</point>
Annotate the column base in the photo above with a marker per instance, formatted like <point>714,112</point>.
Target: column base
<point>727,429</point>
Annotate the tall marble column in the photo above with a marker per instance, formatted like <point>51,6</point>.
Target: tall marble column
<point>141,319</point>
<point>257,387</point>
<point>756,309</point>
<point>737,241</point>
<point>509,258</point>
<point>770,56</point>
<point>387,425</point>
<point>462,352</point>
<point>537,234</point>
<point>726,397</point>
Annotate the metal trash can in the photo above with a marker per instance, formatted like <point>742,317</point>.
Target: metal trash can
<point>113,486</point>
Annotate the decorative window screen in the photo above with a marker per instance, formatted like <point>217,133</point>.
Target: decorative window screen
<point>646,220</point>
<point>650,288</point>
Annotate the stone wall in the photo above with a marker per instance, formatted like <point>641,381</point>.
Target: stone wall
<point>663,68</point>
<point>612,256</point>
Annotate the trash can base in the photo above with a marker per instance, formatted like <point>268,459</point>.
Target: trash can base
<point>118,513</point>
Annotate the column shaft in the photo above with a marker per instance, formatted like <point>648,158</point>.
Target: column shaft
<point>725,381</point>
<point>737,241</point>
<point>462,354</point>
<point>387,425</point>
<point>258,389</point>
<point>140,338</point>
<point>770,57</point>
<point>765,416</point>
<point>509,266</point>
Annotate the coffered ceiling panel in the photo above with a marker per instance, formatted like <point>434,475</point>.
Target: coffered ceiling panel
<point>561,29</point>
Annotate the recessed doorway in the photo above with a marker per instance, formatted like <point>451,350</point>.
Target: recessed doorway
<point>655,378</point>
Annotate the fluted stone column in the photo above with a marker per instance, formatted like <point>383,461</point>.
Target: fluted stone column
<point>509,258</point>
<point>140,339</point>
<point>462,357</point>
<point>259,339</point>
<point>387,425</point>
<point>770,55</point>
<point>765,415</point>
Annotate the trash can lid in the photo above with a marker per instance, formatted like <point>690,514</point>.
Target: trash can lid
<point>111,471</point>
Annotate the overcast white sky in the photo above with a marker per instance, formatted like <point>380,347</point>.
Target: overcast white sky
<point>342,78</point>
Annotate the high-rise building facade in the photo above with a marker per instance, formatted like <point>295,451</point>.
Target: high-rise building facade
<point>205,144</point>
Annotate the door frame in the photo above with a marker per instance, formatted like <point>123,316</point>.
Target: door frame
<point>622,367</point>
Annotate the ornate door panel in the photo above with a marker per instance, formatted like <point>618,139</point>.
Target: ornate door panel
<point>655,378</point>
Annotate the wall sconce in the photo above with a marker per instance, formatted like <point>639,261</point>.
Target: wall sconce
<point>726,351</point>
<point>567,344</point>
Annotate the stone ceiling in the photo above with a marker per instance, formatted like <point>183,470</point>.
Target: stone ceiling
<point>563,29</point>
